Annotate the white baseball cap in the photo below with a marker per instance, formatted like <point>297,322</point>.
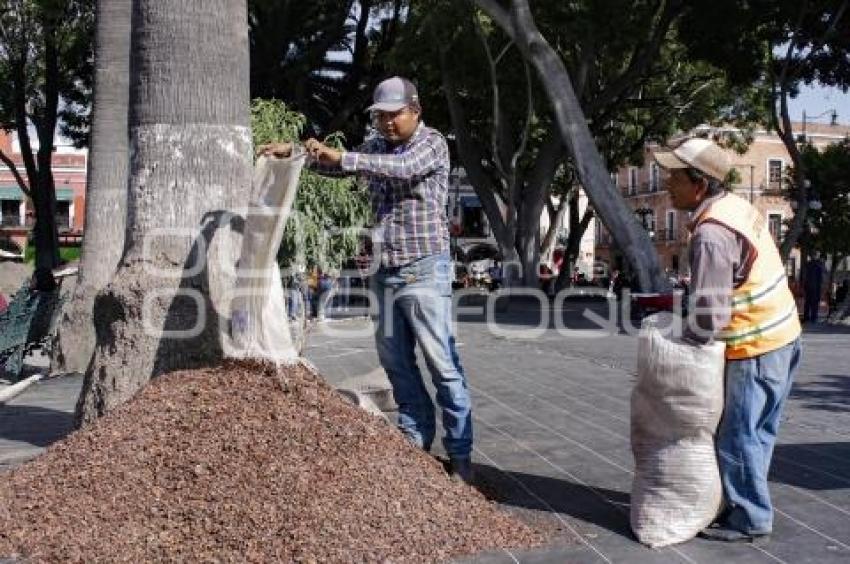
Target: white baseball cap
<point>701,154</point>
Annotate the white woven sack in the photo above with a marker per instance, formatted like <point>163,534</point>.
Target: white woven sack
<point>259,327</point>
<point>676,407</point>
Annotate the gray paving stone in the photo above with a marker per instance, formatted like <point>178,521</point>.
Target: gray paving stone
<point>552,424</point>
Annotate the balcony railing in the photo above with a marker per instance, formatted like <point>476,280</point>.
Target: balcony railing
<point>664,235</point>
<point>642,188</point>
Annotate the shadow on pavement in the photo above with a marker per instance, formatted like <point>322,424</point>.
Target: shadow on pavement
<point>607,509</point>
<point>829,392</point>
<point>812,466</point>
<point>37,426</point>
<point>826,329</point>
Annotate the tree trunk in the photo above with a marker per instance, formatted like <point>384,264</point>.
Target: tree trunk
<point>571,121</point>
<point>578,227</point>
<point>533,202</point>
<point>45,234</point>
<point>167,307</point>
<point>785,130</point>
<point>528,238</point>
<point>38,163</point>
<point>550,240</point>
<point>106,189</point>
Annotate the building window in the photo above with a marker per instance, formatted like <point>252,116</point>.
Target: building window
<point>633,175</point>
<point>774,225</point>
<point>653,177</point>
<point>774,174</point>
<point>63,215</point>
<point>671,225</point>
<point>10,214</point>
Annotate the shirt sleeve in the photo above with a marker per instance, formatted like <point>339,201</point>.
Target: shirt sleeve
<point>336,171</point>
<point>421,159</point>
<point>714,253</point>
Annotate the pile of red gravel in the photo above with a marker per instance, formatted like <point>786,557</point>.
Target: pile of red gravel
<point>244,463</point>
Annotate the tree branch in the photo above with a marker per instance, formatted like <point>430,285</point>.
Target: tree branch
<point>645,54</point>
<point>786,133</point>
<point>529,116</point>
<point>21,125</point>
<point>18,178</point>
<point>496,108</point>
<point>469,153</point>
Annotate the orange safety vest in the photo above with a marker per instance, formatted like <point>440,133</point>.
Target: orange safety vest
<point>764,314</point>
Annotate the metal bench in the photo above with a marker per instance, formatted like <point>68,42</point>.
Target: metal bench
<point>28,324</point>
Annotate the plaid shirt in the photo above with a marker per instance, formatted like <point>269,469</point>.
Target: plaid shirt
<point>409,190</point>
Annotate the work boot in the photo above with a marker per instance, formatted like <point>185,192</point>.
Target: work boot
<point>461,469</point>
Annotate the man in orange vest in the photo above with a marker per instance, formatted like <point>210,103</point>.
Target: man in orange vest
<point>740,295</point>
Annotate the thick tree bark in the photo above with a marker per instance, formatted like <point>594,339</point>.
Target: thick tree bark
<point>167,307</point>
<point>609,205</point>
<point>532,204</point>
<point>106,189</point>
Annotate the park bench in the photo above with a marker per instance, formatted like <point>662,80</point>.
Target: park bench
<point>28,324</point>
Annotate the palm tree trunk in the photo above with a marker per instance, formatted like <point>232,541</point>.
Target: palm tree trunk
<point>106,190</point>
<point>167,308</point>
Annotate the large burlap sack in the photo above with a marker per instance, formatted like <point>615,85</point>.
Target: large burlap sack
<point>259,325</point>
<point>676,407</point>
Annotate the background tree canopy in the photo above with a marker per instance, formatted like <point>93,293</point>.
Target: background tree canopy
<point>323,57</point>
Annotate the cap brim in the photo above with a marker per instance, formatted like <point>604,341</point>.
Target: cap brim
<point>670,161</point>
<point>386,107</point>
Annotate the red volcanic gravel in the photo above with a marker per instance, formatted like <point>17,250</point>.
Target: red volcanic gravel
<point>244,462</point>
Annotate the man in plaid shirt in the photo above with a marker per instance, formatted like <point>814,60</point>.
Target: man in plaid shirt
<point>408,168</point>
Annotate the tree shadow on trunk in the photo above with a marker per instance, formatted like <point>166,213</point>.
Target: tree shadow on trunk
<point>191,335</point>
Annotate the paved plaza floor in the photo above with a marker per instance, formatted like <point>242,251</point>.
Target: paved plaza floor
<point>551,416</point>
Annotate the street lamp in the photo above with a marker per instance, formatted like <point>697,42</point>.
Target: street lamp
<point>752,168</point>
<point>833,119</point>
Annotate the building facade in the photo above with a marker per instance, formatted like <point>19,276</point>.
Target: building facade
<point>17,214</point>
<point>762,178</point>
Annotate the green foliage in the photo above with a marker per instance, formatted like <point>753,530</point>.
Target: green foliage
<point>66,254</point>
<point>829,173</point>
<point>29,27</point>
<point>329,213</point>
<point>750,41</point>
<point>290,47</point>
<point>272,120</point>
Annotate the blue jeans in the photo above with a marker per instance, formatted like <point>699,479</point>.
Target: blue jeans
<point>756,390</point>
<point>415,308</point>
